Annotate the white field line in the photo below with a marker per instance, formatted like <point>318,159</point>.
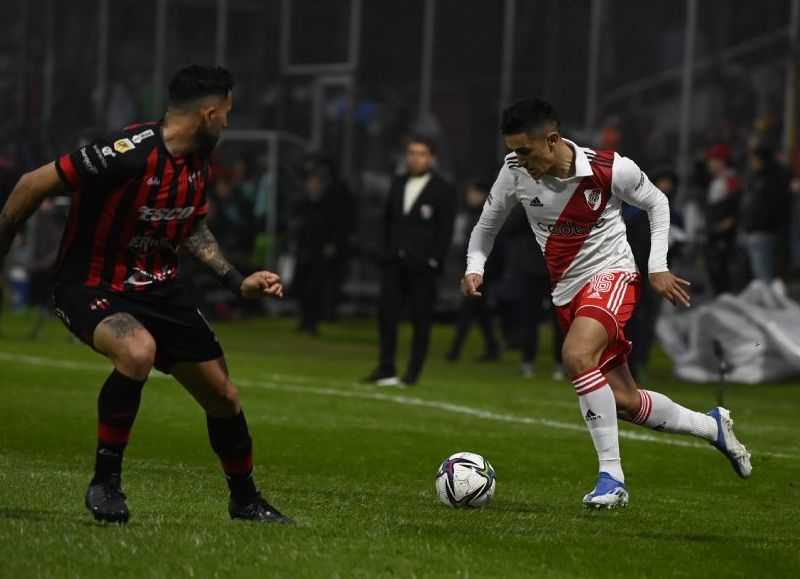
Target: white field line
<point>383,397</point>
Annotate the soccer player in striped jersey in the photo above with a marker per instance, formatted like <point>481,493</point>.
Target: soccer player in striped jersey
<point>139,196</point>
<point>573,197</point>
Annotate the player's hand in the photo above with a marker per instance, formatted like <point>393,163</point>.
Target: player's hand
<point>470,285</point>
<point>262,283</point>
<point>667,285</point>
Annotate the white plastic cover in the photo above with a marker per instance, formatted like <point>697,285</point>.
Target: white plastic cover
<point>759,331</point>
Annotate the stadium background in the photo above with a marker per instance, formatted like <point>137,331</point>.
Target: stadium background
<point>660,81</point>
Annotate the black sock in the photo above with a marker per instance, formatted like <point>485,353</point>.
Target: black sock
<point>116,410</point>
<point>231,441</point>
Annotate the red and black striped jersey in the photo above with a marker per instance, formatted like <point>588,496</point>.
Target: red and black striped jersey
<point>133,204</point>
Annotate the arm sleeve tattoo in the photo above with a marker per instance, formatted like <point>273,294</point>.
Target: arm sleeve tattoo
<point>203,246</point>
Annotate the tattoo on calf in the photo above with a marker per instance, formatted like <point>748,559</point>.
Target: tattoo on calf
<point>123,325</point>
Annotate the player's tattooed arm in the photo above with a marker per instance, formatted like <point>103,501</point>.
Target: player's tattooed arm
<point>27,195</point>
<point>202,245</point>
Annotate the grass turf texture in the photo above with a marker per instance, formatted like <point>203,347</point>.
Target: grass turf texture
<point>355,465</point>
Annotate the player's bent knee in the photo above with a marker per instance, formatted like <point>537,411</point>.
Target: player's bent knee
<point>137,357</point>
<point>578,360</point>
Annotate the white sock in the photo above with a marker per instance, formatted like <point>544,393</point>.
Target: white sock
<point>660,413</point>
<point>599,411</point>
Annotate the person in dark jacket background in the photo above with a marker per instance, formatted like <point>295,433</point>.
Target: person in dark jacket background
<point>317,238</point>
<point>766,217</point>
<point>641,328</point>
<point>479,311</point>
<point>418,227</point>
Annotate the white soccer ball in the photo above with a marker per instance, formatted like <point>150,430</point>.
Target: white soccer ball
<point>465,479</point>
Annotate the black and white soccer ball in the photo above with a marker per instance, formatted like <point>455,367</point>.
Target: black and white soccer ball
<point>465,479</point>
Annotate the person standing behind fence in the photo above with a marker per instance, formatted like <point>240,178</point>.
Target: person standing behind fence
<point>641,328</point>
<point>531,309</point>
<point>767,211</point>
<point>476,310</point>
<point>722,215</point>
<point>418,228</point>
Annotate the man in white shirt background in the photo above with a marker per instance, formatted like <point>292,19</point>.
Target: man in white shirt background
<point>573,198</point>
<point>417,228</point>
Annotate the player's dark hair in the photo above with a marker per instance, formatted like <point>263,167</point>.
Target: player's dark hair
<point>423,140</point>
<point>198,81</point>
<point>527,115</point>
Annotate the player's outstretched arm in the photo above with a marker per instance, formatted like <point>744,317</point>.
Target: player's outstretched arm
<point>202,245</point>
<point>27,195</point>
<point>667,285</point>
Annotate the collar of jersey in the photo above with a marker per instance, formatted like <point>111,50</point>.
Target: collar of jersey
<point>582,167</point>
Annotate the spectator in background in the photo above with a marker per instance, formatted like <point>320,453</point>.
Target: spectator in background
<point>641,328</point>
<point>340,206</point>
<point>317,242</point>
<point>45,230</point>
<point>479,311</point>
<point>418,227</point>
<point>229,215</point>
<point>525,261</point>
<point>721,216</point>
<point>768,207</point>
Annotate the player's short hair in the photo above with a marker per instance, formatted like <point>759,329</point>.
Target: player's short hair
<point>527,115</point>
<point>423,140</point>
<point>199,81</point>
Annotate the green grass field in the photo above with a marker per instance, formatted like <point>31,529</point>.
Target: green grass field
<point>355,466</point>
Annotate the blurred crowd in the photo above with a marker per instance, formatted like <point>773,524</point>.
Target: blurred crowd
<point>737,219</point>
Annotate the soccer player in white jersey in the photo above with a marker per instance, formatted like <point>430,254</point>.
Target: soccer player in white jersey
<point>572,196</point>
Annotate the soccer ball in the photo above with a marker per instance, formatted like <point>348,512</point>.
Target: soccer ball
<point>465,479</point>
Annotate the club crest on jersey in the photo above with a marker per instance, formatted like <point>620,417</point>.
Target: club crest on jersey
<point>123,145</point>
<point>592,198</point>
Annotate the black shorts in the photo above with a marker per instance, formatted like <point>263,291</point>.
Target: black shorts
<point>180,331</point>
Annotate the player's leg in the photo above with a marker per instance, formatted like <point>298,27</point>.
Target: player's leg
<point>585,341</point>
<point>655,410</point>
<point>132,350</point>
<point>209,384</point>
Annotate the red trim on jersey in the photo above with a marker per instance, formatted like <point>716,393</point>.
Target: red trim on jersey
<point>121,257</point>
<point>171,172</point>
<point>68,172</point>
<point>180,201</point>
<point>560,250</point>
<point>137,125</point>
<point>95,276</point>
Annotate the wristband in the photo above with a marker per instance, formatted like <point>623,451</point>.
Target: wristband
<point>233,281</point>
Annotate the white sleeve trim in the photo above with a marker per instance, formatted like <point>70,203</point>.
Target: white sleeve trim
<point>631,184</point>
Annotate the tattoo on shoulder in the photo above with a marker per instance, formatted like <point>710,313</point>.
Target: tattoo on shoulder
<point>122,325</point>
